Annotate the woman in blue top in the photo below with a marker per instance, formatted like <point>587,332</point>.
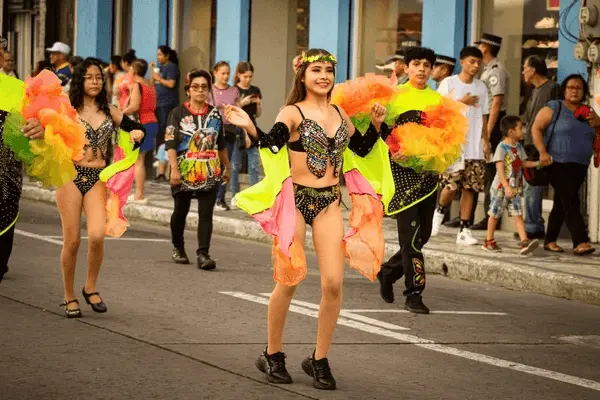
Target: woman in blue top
<point>165,79</point>
<point>570,147</point>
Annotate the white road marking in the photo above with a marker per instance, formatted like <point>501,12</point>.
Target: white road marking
<point>38,237</point>
<point>120,238</point>
<point>432,312</point>
<point>431,345</point>
<point>350,315</point>
<point>58,239</point>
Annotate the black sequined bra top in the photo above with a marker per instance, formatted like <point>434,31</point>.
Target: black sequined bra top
<point>98,138</point>
<point>319,147</point>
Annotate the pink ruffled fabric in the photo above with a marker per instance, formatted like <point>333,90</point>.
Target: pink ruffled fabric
<point>119,187</point>
<point>364,243</point>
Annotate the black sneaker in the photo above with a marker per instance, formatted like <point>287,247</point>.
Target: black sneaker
<point>160,179</point>
<point>386,289</point>
<point>453,223</point>
<point>414,304</point>
<point>179,256</point>
<point>205,262</point>
<point>274,367</point>
<point>480,226</point>
<point>222,206</point>
<point>320,372</point>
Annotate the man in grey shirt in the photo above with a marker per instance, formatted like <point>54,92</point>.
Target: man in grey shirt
<point>535,73</point>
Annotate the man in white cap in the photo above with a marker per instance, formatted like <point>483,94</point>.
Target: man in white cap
<point>59,58</point>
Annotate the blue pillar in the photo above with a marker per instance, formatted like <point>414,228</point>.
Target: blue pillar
<point>232,31</point>
<point>567,64</point>
<point>148,27</point>
<point>329,29</point>
<point>444,26</point>
<point>94,29</point>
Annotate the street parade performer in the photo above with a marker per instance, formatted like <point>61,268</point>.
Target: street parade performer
<point>302,157</point>
<point>11,179</point>
<point>425,141</point>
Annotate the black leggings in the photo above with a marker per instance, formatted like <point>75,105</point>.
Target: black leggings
<point>566,179</point>
<point>6,245</point>
<point>206,204</point>
<point>414,231</point>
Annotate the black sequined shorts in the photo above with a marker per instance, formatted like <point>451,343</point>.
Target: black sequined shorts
<point>311,201</point>
<point>86,178</point>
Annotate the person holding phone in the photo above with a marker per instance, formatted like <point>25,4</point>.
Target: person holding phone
<point>251,102</point>
<point>467,174</point>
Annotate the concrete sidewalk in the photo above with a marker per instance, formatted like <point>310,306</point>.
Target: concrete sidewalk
<point>566,275</point>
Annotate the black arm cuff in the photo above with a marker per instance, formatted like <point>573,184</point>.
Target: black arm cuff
<point>277,137</point>
<point>128,125</point>
<point>361,145</point>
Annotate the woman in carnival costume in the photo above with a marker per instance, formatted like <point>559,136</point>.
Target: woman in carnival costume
<point>11,178</point>
<point>88,191</point>
<point>302,157</point>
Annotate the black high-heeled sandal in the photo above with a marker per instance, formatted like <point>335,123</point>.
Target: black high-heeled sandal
<point>97,307</point>
<point>76,313</point>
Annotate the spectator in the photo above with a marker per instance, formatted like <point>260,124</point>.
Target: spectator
<point>467,175</point>
<point>39,67</point>
<point>396,64</point>
<point>222,95</point>
<point>251,102</point>
<point>114,73</point>
<point>535,73</point>
<point>142,107</point>
<point>443,68</point>
<point>165,79</point>
<point>59,53</point>
<point>8,66</point>
<point>126,81</point>
<point>507,188</point>
<point>497,80</point>
<point>570,147</point>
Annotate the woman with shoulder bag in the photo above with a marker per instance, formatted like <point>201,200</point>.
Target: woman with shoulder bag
<point>569,148</point>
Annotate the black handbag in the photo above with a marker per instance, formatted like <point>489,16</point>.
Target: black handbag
<point>541,176</point>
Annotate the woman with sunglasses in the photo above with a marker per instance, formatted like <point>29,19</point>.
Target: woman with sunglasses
<point>195,144</point>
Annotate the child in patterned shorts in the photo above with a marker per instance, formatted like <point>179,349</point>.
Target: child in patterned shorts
<point>507,187</point>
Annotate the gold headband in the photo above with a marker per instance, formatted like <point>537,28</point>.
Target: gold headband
<point>317,58</point>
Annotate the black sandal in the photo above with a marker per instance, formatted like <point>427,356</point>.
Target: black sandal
<point>97,307</point>
<point>557,249</point>
<point>76,313</point>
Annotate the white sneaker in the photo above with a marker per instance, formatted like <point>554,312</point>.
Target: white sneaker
<point>465,237</point>
<point>233,203</point>
<point>545,23</point>
<point>438,218</point>
<point>131,199</point>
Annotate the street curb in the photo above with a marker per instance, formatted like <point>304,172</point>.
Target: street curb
<point>457,266</point>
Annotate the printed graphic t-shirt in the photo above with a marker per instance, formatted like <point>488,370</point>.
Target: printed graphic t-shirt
<point>197,138</point>
<point>513,158</point>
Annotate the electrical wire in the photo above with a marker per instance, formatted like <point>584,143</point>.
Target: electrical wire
<point>563,28</point>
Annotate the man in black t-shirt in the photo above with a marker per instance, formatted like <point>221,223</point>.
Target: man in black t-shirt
<point>535,73</point>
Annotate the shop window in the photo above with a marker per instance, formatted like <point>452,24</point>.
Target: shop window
<point>387,25</point>
<point>302,25</point>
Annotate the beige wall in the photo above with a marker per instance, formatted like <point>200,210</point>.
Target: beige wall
<point>505,18</point>
<point>272,49</point>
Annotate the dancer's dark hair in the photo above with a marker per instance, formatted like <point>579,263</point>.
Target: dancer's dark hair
<point>419,53</point>
<point>77,91</point>
<point>298,91</point>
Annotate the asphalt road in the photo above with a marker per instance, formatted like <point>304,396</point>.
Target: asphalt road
<point>175,332</point>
